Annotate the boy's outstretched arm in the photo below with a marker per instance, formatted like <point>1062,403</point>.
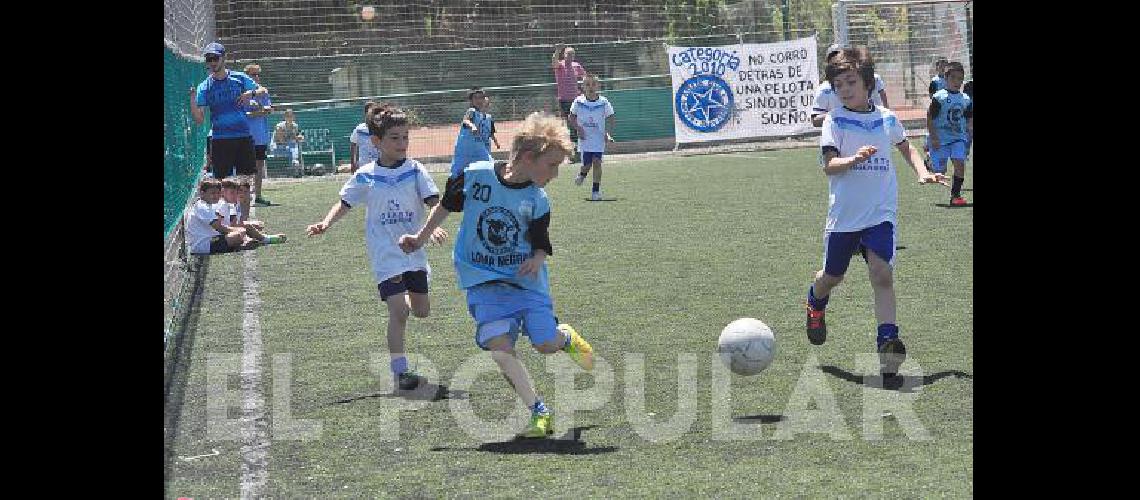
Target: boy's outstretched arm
<point>412,242</point>
<point>335,213</point>
<point>439,235</point>
<point>914,158</point>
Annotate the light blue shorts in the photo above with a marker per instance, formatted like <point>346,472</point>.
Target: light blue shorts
<point>955,150</point>
<point>499,308</point>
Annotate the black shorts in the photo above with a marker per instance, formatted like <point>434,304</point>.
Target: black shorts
<point>259,152</point>
<point>218,244</point>
<point>410,281</point>
<point>233,154</point>
<point>565,107</point>
<point>208,141</point>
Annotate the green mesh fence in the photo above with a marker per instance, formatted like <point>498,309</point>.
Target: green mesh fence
<point>184,142</point>
<point>328,92</point>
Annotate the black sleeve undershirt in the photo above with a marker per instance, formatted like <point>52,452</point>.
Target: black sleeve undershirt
<point>539,235</point>
<point>453,194</point>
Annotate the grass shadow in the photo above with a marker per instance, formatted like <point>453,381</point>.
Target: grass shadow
<point>764,419</point>
<point>178,369</point>
<point>425,392</point>
<point>568,444</point>
<point>900,383</point>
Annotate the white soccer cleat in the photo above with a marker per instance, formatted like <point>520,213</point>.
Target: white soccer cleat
<point>578,179</point>
<point>596,196</point>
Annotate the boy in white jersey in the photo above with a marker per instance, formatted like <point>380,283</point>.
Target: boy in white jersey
<point>394,189</point>
<point>592,115</point>
<point>950,120</point>
<point>500,256</point>
<point>244,195</point>
<point>206,233</point>
<point>360,146</point>
<point>826,99</point>
<point>230,209</point>
<point>855,143</point>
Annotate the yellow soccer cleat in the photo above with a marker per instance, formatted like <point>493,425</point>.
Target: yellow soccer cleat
<point>541,425</point>
<point>579,350</point>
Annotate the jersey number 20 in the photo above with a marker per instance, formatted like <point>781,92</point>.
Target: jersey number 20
<point>481,192</point>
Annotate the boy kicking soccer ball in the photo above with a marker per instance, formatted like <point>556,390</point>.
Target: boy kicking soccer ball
<point>500,256</point>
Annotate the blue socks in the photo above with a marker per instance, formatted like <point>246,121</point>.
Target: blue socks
<point>817,304</point>
<point>399,365</point>
<point>539,407</point>
<point>887,331</point>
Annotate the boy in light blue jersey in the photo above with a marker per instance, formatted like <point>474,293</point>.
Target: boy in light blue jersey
<point>862,210</point>
<point>500,256</point>
<point>950,120</point>
<point>474,141</point>
<point>937,82</point>
<point>491,121</point>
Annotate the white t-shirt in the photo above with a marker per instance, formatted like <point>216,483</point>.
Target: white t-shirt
<point>226,209</point>
<point>826,99</point>
<point>198,228</point>
<point>365,151</point>
<point>866,194</point>
<point>592,117</point>
<point>236,211</point>
<point>394,206</point>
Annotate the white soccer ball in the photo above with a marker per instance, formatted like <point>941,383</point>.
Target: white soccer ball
<point>747,346</point>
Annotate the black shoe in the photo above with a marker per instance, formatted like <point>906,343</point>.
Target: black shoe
<point>409,380</point>
<point>816,327</point>
<point>892,353</point>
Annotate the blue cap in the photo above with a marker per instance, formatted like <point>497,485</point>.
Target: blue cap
<point>214,48</point>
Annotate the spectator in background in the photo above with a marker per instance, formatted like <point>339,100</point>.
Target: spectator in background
<point>287,138</point>
<point>826,99</point>
<point>206,233</point>
<point>474,140</point>
<point>938,79</point>
<point>256,115</point>
<point>227,94</point>
<point>937,82</point>
<point>567,73</point>
<point>360,143</point>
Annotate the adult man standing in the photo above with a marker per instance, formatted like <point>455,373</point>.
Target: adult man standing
<point>227,94</point>
<point>567,72</point>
